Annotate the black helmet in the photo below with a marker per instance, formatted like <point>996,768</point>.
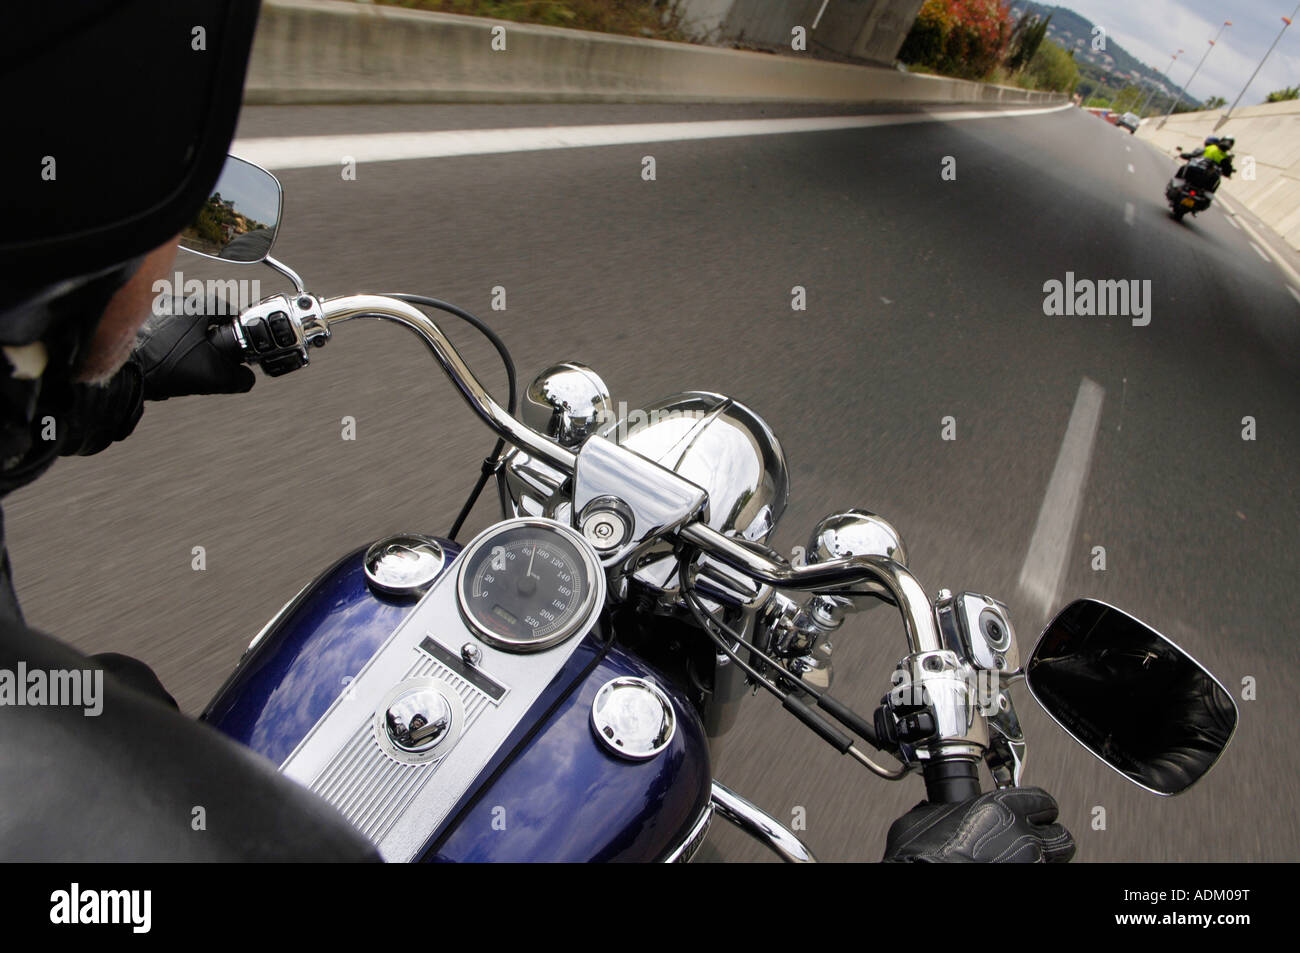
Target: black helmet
<point>122,115</point>
<point>1211,140</point>
<point>1226,143</point>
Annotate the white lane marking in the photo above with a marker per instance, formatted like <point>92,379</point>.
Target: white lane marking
<point>1053,539</point>
<point>1128,148</point>
<point>299,152</point>
<point>1130,168</point>
<point>1295,294</point>
<point>1277,259</point>
<point>1232,221</point>
<point>1129,212</point>
<point>1259,251</point>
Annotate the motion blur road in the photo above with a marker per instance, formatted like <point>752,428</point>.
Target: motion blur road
<point>924,301</point>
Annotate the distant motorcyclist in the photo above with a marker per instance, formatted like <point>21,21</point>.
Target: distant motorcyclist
<point>1217,151</point>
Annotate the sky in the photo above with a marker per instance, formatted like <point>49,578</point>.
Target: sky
<point>1153,30</point>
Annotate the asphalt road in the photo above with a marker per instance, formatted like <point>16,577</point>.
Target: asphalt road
<point>925,300</point>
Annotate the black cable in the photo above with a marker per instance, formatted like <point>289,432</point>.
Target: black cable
<point>492,461</point>
<point>478,324</point>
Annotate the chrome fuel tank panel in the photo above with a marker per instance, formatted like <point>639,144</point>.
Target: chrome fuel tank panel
<point>386,791</point>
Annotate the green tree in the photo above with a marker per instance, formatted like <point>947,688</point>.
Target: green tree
<point>1215,102</point>
<point>1054,69</point>
<point>1026,38</point>
<point>1129,98</point>
<point>1282,95</point>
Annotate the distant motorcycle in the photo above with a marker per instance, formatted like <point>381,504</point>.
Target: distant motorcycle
<point>1192,187</point>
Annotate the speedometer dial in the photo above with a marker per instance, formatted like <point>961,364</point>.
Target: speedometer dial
<point>529,584</point>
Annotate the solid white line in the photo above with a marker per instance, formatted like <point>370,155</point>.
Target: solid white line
<point>1260,252</point>
<point>1295,294</point>
<point>1049,547</point>
<point>1129,211</point>
<point>298,152</point>
<point>1233,222</point>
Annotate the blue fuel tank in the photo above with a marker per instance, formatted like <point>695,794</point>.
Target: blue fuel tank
<point>551,792</point>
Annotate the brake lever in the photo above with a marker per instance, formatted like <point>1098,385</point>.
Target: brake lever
<point>1005,755</point>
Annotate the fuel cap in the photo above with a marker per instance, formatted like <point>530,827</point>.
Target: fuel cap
<point>419,720</point>
<point>405,564</point>
<point>633,717</point>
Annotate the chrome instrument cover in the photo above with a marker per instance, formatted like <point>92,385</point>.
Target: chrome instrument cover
<point>723,447</point>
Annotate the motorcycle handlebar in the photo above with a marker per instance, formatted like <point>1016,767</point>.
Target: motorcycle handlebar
<point>882,577</point>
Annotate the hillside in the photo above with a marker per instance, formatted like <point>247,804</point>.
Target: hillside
<point>1112,69</point>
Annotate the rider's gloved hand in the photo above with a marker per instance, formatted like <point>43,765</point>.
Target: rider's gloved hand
<point>177,359</point>
<point>1013,825</point>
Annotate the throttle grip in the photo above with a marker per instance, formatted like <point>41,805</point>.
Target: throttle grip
<point>949,780</point>
<point>222,338</point>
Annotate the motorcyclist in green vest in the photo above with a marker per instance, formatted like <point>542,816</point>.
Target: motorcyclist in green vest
<point>1216,150</point>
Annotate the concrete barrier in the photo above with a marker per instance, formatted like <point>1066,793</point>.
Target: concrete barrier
<point>327,51</point>
<point>1270,136</point>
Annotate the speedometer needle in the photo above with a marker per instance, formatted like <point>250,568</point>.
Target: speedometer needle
<point>530,562</point>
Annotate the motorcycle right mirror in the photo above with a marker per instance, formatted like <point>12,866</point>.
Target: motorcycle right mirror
<point>1130,696</point>
<point>239,220</point>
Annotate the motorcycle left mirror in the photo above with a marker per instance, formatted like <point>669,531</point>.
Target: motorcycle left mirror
<point>1131,697</point>
<point>239,220</point>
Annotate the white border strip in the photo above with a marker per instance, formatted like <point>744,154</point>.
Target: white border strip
<point>300,152</point>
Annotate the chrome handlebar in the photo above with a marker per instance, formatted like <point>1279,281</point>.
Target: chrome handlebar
<point>352,307</point>
<point>834,575</point>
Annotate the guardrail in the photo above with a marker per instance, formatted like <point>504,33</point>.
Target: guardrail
<point>326,51</point>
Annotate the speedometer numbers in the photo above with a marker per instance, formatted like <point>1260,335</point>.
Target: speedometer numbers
<point>529,584</point>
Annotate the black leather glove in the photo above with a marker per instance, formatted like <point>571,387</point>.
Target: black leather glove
<point>1013,825</point>
<point>177,359</point>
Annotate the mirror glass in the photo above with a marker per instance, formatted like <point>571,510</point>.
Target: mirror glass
<point>1131,697</point>
<point>239,220</point>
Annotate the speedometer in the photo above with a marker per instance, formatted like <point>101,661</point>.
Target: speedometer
<point>528,584</point>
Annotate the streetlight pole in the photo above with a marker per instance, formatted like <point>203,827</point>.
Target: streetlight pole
<point>1179,99</point>
<point>1286,22</point>
<point>1151,95</point>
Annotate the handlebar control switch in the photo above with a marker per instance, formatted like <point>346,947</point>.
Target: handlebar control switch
<point>277,332</point>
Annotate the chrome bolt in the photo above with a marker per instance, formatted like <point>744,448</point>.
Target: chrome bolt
<point>471,654</point>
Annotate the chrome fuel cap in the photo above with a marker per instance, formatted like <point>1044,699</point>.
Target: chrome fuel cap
<point>405,564</point>
<point>419,721</point>
<point>633,717</point>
